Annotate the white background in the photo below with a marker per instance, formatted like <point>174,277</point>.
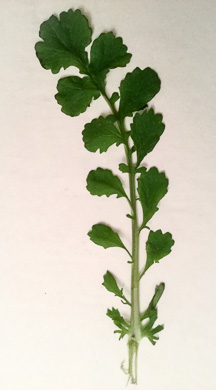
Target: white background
<point>54,334</point>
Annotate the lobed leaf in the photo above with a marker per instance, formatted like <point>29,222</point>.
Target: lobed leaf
<point>104,236</point>
<point>147,330</point>
<point>159,289</point>
<point>107,52</point>
<point>101,133</point>
<point>64,41</point>
<point>150,333</point>
<point>158,246</point>
<point>152,187</point>
<point>137,89</point>
<point>103,182</point>
<point>146,130</point>
<point>75,94</point>
<point>119,321</point>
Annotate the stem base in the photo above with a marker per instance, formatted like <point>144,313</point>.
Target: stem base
<point>133,359</point>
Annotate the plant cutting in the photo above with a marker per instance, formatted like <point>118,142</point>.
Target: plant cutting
<point>63,44</point>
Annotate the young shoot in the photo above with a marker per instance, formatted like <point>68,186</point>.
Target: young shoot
<point>63,44</point>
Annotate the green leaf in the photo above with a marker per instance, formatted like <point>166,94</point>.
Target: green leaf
<point>124,168</point>
<point>115,96</point>
<point>101,133</point>
<point>146,130</point>
<point>64,41</point>
<point>150,333</point>
<point>159,289</point>
<point>75,94</point>
<point>111,285</point>
<point>119,321</point>
<point>158,246</point>
<point>152,187</point>
<point>137,89</point>
<point>107,52</point>
<point>104,236</point>
<point>103,182</point>
<point>147,330</point>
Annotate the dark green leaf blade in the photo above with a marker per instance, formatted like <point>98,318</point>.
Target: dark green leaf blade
<point>158,246</point>
<point>107,52</point>
<point>137,89</point>
<point>115,96</point>
<point>101,133</point>
<point>119,321</point>
<point>64,41</point>
<point>152,187</point>
<point>104,236</point>
<point>146,130</point>
<point>103,182</point>
<point>111,285</point>
<point>75,94</point>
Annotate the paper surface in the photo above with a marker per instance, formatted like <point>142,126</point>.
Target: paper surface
<point>54,333</point>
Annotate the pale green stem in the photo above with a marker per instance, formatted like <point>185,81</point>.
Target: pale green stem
<point>135,309</point>
<point>135,336</point>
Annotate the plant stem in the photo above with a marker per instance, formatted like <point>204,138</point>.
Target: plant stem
<point>135,307</point>
<point>135,336</point>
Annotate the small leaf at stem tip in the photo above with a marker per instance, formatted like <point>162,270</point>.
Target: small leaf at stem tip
<point>101,133</point>
<point>124,168</point>
<point>75,94</point>
<point>103,182</point>
<point>104,236</point>
<point>111,285</point>
<point>146,130</point>
<point>137,89</point>
<point>152,187</point>
<point>64,41</point>
<point>158,246</point>
<point>107,52</point>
